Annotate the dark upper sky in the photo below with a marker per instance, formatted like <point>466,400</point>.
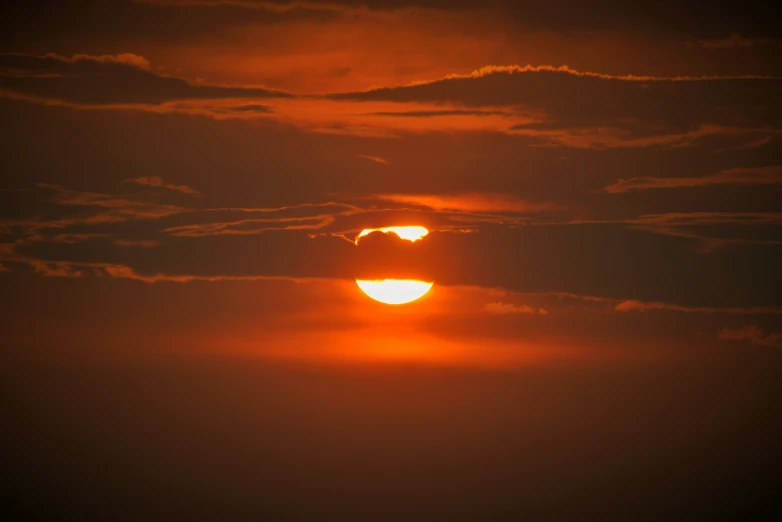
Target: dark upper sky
<point>181,184</point>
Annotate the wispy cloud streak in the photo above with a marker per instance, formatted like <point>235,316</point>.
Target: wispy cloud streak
<point>770,175</point>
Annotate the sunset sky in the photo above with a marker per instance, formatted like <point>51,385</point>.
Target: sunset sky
<point>182,186</point>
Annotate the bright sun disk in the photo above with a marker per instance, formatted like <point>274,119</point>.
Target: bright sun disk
<point>395,291</point>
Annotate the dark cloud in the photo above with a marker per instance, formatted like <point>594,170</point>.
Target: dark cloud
<point>101,208</point>
<point>156,182</point>
<point>542,105</point>
<point>467,203</point>
<point>69,23</point>
<point>253,107</point>
<point>478,240</point>
<point>636,110</point>
<point>754,19</point>
<point>770,175</point>
<point>753,334</point>
<point>107,80</point>
<point>508,308</point>
<point>639,306</point>
<point>737,41</point>
<point>376,159</point>
<point>715,229</point>
<point>436,114</point>
<point>599,260</point>
<point>319,5</point>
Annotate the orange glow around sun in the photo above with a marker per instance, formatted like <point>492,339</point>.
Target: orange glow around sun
<point>395,291</point>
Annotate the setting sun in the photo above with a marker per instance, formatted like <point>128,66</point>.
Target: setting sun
<point>394,291</point>
<point>410,233</point>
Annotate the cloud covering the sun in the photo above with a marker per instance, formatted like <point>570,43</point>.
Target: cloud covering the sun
<point>134,237</point>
